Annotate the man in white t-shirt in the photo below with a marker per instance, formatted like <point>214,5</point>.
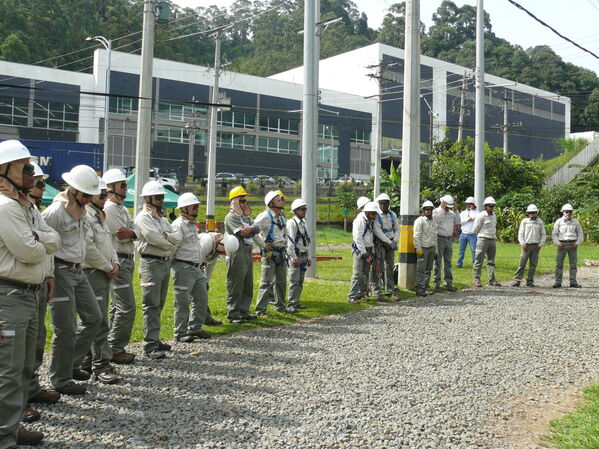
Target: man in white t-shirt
<point>467,236</point>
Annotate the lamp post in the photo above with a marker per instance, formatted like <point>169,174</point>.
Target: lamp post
<point>108,46</point>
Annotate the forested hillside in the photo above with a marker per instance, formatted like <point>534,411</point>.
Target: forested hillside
<point>34,31</point>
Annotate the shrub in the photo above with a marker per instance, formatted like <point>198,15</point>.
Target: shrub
<point>252,187</point>
<point>200,190</point>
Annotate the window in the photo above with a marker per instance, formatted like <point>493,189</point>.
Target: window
<point>324,132</point>
<point>123,105</point>
<point>236,119</point>
<point>359,161</point>
<point>279,125</point>
<point>181,112</point>
<point>327,173</point>
<point>235,141</point>
<point>360,136</point>
<point>272,145</point>
<point>50,115</point>
<point>165,133</point>
<point>13,111</point>
<point>325,155</point>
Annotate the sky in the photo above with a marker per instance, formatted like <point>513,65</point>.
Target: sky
<point>576,19</point>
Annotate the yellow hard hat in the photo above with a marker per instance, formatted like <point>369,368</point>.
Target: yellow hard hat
<point>280,193</point>
<point>236,192</point>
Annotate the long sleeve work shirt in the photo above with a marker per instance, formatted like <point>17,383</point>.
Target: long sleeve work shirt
<point>566,229</point>
<point>532,231</point>
<point>425,233</point>
<point>445,220</point>
<point>117,217</point>
<point>152,239</point>
<point>485,225</point>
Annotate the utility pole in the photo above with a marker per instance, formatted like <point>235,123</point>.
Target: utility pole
<point>211,172</point>
<point>462,107</point>
<point>479,128</point>
<point>144,118</point>
<point>506,127</point>
<point>410,155</point>
<point>192,124</point>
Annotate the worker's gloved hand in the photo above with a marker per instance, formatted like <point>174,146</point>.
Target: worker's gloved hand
<point>367,259</point>
<point>420,253</point>
<point>387,246</point>
<point>394,246</point>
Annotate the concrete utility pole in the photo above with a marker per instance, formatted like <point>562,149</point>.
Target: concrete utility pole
<point>191,125</point>
<point>211,172</point>
<point>479,127</point>
<point>506,126</point>
<point>462,107</point>
<point>410,155</point>
<point>144,118</point>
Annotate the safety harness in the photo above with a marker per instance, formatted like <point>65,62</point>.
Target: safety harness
<point>387,230</point>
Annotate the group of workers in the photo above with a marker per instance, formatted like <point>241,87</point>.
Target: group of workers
<point>82,248</point>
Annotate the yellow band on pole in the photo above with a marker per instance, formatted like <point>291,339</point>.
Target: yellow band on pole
<point>210,225</point>
<point>406,239</point>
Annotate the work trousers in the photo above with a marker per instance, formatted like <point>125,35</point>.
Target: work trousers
<point>424,267</point>
<point>240,283</point>
<point>530,255</point>
<point>207,269</point>
<point>381,273</point>
<point>559,262</point>
<point>73,296</point>
<point>485,248</point>
<point>466,240</point>
<point>18,326</point>
<point>444,255</point>
<point>190,287</point>
<point>359,277</point>
<point>100,354</point>
<point>154,275</point>
<point>122,307</point>
<point>42,306</point>
<point>296,280</point>
<point>273,282</point>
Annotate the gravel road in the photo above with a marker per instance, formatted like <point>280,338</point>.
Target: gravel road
<point>435,372</point>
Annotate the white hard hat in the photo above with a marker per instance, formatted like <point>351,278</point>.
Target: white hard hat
<point>532,208</point>
<point>470,200</point>
<point>362,201</point>
<point>230,243</point>
<point>448,200</point>
<point>567,206</point>
<point>427,204</point>
<point>83,178</point>
<point>298,203</point>
<point>206,242</point>
<point>102,184</point>
<point>371,207</point>
<point>37,171</point>
<point>270,196</point>
<point>489,200</point>
<point>152,188</point>
<point>13,150</point>
<point>187,199</point>
<point>114,175</point>
<point>382,197</point>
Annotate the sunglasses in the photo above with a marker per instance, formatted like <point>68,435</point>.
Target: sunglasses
<point>159,197</point>
<point>103,195</point>
<point>124,185</point>
<point>243,201</point>
<point>428,209</point>
<point>28,169</point>
<point>85,195</point>
<point>490,205</point>
<point>303,209</point>
<point>40,184</point>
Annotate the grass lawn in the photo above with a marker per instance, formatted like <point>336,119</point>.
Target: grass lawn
<point>580,429</point>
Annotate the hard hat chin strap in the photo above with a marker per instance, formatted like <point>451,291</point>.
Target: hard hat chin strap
<point>14,184</point>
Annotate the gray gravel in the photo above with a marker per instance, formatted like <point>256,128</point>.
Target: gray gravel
<point>429,373</point>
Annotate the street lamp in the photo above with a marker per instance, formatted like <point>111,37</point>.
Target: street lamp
<point>108,46</point>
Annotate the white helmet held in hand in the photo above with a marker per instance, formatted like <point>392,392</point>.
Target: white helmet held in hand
<point>298,203</point>
<point>567,206</point>
<point>362,201</point>
<point>187,199</point>
<point>371,207</point>
<point>37,171</point>
<point>448,200</point>
<point>382,197</point>
<point>83,178</point>
<point>152,188</point>
<point>428,204</point>
<point>269,197</point>
<point>532,208</point>
<point>489,200</point>
<point>470,200</point>
<point>230,243</point>
<point>13,150</point>
<point>113,175</point>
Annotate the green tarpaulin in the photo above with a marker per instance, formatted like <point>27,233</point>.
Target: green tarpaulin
<point>49,195</point>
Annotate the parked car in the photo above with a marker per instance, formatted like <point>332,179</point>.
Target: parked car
<point>284,181</point>
<point>263,180</point>
<point>321,181</point>
<point>226,177</point>
<point>344,179</point>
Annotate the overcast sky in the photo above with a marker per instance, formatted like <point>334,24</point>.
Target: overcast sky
<point>576,19</point>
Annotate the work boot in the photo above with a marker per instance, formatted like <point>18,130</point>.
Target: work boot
<point>45,397</point>
<point>575,285</point>
<point>557,285</point>
<point>185,339</point>
<point>123,358</point>
<point>292,309</point>
<point>249,317</point>
<point>438,289</point>
<point>494,284</point>
<point>31,415</point>
<point>108,377</point>
<point>164,346</point>
<point>212,322</point>
<point>420,293</point>
<point>301,307</point>
<point>530,284</point>
<point>451,288</point>
<point>156,354</point>
<point>200,333</point>
<point>353,300</point>
<point>29,438</point>
<point>516,284</point>
<point>72,389</point>
<point>477,284</point>
<point>81,374</point>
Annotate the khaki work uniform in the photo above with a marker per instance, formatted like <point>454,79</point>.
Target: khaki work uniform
<point>298,249</point>
<point>445,222</point>
<point>99,259</point>
<point>273,281</point>
<point>122,304</point>
<point>532,234</point>
<point>567,232</point>
<point>189,281</point>
<point>425,240</point>
<point>485,228</point>
<point>23,267</point>
<point>155,251</point>
<point>240,276</point>
<point>73,296</point>
<point>361,249</point>
<point>386,229</point>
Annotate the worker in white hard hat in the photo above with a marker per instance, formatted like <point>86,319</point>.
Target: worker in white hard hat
<point>123,232</point>
<point>101,266</point>
<point>445,219</point>
<point>45,292</point>
<point>298,251</point>
<point>24,249</point>
<point>156,244</point>
<point>425,243</point>
<point>485,228</point>
<point>189,281</point>
<point>363,256</point>
<point>467,235</point>
<point>273,282</point>
<point>532,237</point>
<point>386,233</point>
<point>568,236</point>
